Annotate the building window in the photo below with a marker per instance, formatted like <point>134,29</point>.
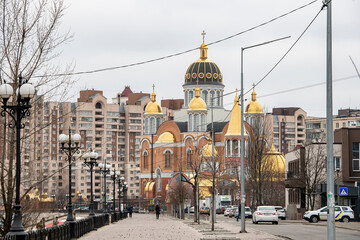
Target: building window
<point>98,105</point>
<point>167,159</point>
<point>189,153</point>
<point>146,160</point>
<point>355,158</point>
<point>337,163</point>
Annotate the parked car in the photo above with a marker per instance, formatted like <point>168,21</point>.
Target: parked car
<point>192,209</point>
<point>136,209</point>
<point>221,210</point>
<point>342,213</point>
<point>281,212</point>
<point>233,210</point>
<point>247,212</point>
<point>265,214</point>
<point>205,210</point>
<point>142,210</point>
<point>227,211</point>
<point>82,209</point>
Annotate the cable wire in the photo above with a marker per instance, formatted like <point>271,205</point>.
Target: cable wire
<point>179,53</point>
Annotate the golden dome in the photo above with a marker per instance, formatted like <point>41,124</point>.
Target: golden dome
<point>234,128</point>
<point>166,137</point>
<point>197,103</point>
<point>206,151</point>
<point>253,106</point>
<point>153,107</point>
<point>275,161</point>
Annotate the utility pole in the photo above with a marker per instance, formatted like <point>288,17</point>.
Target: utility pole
<point>329,128</point>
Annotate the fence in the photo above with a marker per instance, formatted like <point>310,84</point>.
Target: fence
<point>71,230</point>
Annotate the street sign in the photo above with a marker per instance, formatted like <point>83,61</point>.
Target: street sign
<point>343,191</point>
<point>151,202</point>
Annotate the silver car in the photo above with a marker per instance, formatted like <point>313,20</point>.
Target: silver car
<point>281,212</point>
<point>265,214</point>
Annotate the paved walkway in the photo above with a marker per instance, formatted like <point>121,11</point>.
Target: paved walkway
<point>145,226</point>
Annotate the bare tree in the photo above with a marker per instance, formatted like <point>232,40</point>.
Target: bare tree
<point>29,39</point>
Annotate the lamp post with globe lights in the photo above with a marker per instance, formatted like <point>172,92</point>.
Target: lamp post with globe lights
<point>104,170</point>
<point>120,181</point>
<point>90,161</point>
<point>70,146</point>
<point>114,175</point>
<point>17,111</point>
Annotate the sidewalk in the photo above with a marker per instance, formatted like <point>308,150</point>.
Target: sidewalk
<point>145,226</point>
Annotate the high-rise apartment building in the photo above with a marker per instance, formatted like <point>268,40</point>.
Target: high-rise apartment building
<point>113,130</point>
<point>288,128</point>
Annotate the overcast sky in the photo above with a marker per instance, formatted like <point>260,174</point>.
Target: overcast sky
<point>111,33</point>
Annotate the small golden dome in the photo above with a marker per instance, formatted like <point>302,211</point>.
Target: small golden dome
<point>234,128</point>
<point>153,107</point>
<point>253,106</point>
<point>197,103</point>
<point>275,161</point>
<point>166,137</point>
<point>206,151</point>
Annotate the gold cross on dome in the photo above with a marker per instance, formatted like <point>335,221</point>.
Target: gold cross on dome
<point>153,86</point>
<point>203,34</point>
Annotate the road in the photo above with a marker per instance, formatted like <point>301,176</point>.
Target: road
<point>296,230</point>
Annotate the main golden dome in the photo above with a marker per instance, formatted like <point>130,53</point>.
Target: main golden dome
<point>153,107</point>
<point>197,103</point>
<point>254,106</point>
<point>203,71</point>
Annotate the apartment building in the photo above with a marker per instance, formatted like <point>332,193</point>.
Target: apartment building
<point>316,127</point>
<point>113,130</point>
<point>288,126</point>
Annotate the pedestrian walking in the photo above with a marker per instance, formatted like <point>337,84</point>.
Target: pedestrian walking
<point>239,213</point>
<point>130,210</point>
<point>157,210</point>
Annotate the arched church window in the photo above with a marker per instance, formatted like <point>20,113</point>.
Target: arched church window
<point>98,105</point>
<point>190,123</point>
<point>188,158</point>
<point>191,95</point>
<point>152,125</point>
<point>235,148</point>
<point>158,123</point>
<point>205,96</point>
<point>212,100</point>
<point>167,159</point>
<point>186,98</point>
<point>146,125</point>
<point>203,122</point>
<point>145,160</point>
<point>196,121</point>
<point>218,98</point>
<point>228,148</point>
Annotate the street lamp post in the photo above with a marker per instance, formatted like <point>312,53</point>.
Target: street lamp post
<point>120,185</point>
<point>104,170</point>
<point>114,175</point>
<point>242,148</point>
<point>90,161</point>
<point>17,112</point>
<point>69,145</point>
<point>125,188</point>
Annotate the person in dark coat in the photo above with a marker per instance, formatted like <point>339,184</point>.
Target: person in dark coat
<point>130,210</point>
<point>239,213</point>
<point>157,210</point>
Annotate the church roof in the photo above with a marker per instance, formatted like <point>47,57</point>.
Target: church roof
<point>254,106</point>
<point>197,103</point>
<point>182,126</point>
<point>234,128</point>
<point>153,107</point>
<point>218,126</point>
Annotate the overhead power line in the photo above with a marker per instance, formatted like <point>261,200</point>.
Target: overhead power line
<point>179,53</point>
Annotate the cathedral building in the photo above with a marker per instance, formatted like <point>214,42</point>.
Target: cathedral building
<point>174,151</point>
